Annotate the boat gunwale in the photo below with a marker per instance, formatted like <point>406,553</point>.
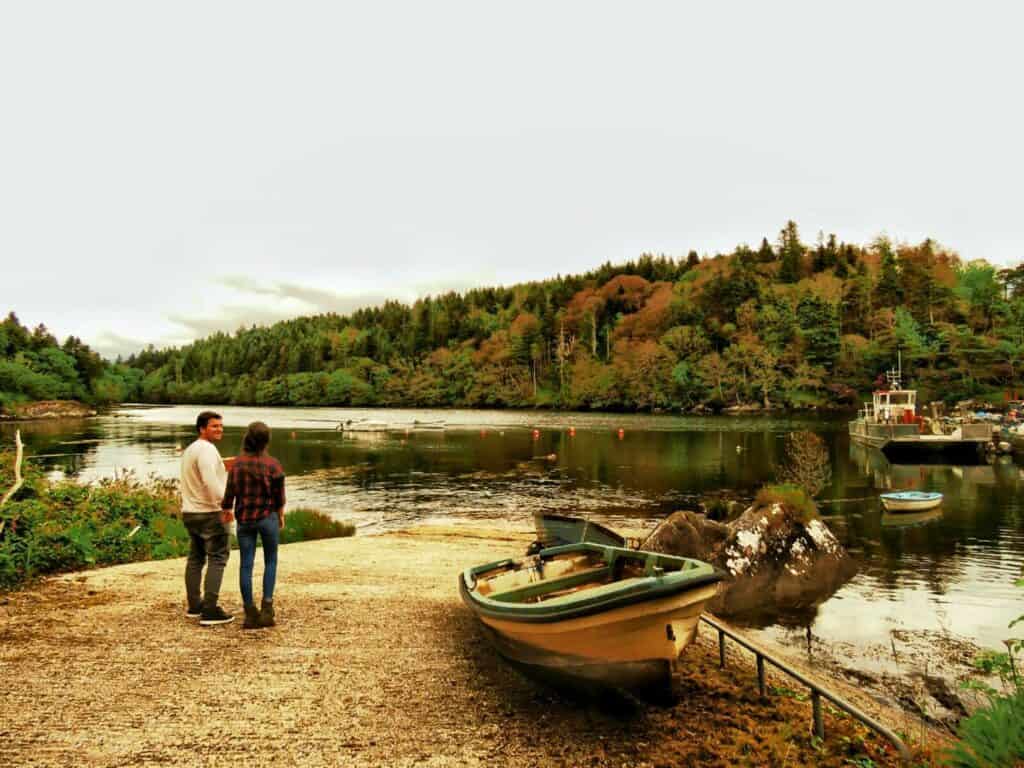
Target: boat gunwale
<point>639,591</point>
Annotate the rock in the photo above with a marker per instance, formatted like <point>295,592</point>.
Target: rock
<point>688,534</point>
<point>774,560</point>
<point>48,409</point>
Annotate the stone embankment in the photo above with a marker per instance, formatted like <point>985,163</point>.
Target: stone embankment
<point>375,662</point>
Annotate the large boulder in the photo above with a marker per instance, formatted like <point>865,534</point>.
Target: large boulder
<point>775,559</point>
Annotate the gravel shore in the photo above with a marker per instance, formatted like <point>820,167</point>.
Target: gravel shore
<point>375,662</point>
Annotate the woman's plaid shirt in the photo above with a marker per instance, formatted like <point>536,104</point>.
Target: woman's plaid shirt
<point>255,488</point>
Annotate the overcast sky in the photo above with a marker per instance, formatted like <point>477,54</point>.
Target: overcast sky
<point>169,169</point>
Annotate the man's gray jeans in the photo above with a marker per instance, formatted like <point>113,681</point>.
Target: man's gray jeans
<point>208,546</point>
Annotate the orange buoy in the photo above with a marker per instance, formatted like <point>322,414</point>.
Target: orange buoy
<point>572,431</point>
<point>536,434</point>
<point>622,433</point>
<point>293,435</point>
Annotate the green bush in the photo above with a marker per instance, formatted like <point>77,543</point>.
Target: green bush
<point>66,526</point>
<point>994,735</point>
<point>310,524</point>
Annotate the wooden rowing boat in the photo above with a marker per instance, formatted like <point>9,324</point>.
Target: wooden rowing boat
<point>555,530</point>
<point>592,617</point>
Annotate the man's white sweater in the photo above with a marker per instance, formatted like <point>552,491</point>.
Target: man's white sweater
<point>203,478</point>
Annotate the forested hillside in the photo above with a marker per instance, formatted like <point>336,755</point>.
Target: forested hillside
<point>785,324</point>
<point>34,366</point>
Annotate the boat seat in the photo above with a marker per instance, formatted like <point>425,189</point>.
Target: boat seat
<point>596,591</point>
<point>523,593</point>
<point>513,580</point>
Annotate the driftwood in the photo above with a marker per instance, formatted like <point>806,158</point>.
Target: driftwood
<point>18,480</point>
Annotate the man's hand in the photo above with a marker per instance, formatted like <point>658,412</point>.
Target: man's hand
<point>226,516</point>
<point>280,519</point>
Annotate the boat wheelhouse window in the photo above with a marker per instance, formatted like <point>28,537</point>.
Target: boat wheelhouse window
<point>899,398</point>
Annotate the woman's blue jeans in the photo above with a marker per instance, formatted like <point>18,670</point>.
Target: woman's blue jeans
<point>270,534</point>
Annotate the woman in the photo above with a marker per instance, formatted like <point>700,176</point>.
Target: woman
<point>255,498</point>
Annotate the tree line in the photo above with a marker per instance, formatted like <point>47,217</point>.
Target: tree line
<point>786,324</point>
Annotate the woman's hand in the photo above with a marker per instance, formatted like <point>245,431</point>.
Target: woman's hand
<point>226,516</point>
<point>280,519</point>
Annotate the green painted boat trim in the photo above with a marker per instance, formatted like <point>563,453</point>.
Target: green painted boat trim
<point>657,582</point>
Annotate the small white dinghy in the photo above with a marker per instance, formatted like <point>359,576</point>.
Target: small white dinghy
<point>910,501</point>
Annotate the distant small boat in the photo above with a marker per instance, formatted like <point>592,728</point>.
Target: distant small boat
<point>910,501</point>
<point>429,424</point>
<point>364,426</point>
<point>591,617</point>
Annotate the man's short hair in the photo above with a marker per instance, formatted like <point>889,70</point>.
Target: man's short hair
<point>204,418</point>
<point>257,436</point>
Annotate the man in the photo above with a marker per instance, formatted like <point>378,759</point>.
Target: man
<point>203,477</point>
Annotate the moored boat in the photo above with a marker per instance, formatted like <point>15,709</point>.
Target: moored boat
<point>892,424</point>
<point>910,501</point>
<point>592,617</point>
<point>556,530</point>
<point>365,425</point>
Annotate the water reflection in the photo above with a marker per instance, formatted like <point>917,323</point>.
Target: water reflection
<point>954,571</point>
<point>910,519</point>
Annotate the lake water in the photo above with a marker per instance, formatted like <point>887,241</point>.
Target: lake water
<point>950,574</point>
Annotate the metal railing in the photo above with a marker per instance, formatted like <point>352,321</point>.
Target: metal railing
<point>817,692</point>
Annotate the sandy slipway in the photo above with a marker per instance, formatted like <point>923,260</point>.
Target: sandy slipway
<point>375,662</point>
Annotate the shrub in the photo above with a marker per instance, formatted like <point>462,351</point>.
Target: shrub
<point>994,735</point>
<point>310,524</point>
<point>65,526</point>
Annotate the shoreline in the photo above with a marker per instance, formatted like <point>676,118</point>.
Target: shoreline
<point>375,662</point>
<point>735,410</point>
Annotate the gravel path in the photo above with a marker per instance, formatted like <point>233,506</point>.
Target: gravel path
<point>375,662</point>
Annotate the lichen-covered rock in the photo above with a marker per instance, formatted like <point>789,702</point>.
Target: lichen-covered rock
<point>774,559</point>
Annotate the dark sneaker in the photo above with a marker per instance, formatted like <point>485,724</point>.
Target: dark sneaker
<point>193,613</point>
<point>252,617</point>
<point>267,614</point>
<point>215,615</point>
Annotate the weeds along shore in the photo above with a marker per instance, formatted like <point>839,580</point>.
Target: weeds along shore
<point>49,527</point>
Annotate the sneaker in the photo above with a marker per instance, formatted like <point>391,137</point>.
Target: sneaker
<point>252,617</point>
<point>215,615</point>
<point>267,614</point>
<point>193,613</point>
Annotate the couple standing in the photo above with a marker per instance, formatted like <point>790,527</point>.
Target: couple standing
<point>250,489</point>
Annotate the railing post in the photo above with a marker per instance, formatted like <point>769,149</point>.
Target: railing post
<point>819,722</point>
<point>760,674</point>
<point>721,649</point>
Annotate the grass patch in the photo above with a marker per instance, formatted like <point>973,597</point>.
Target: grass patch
<point>311,524</point>
<point>792,496</point>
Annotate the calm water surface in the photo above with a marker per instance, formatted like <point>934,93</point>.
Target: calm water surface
<point>950,573</point>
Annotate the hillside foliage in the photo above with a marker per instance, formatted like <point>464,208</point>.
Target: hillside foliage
<point>786,324</point>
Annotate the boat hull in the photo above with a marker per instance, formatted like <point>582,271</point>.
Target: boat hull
<point>892,505</point>
<point>899,440</point>
<point>632,648</point>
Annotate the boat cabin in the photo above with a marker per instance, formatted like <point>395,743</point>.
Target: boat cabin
<point>892,406</point>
